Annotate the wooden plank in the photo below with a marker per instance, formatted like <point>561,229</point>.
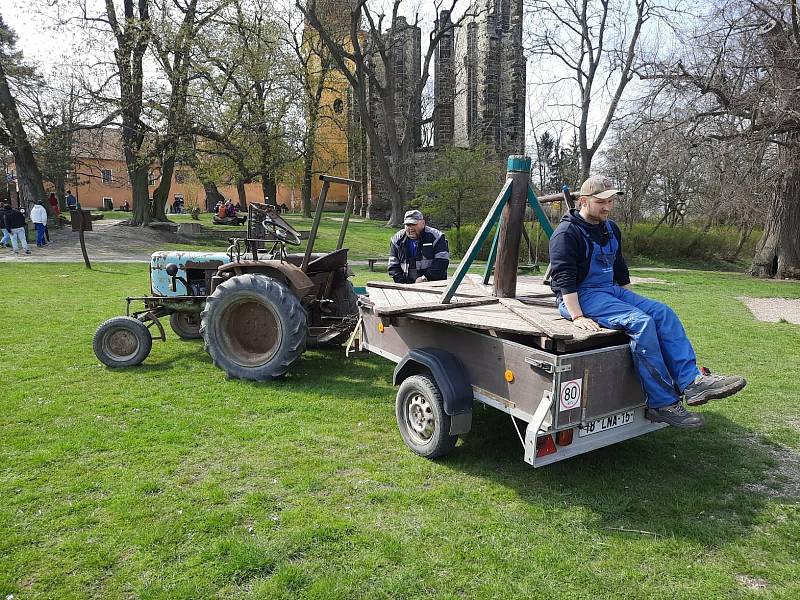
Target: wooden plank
<point>546,325</point>
<point>377,297</point>
<point>431,306</point>
<point>465,318</point>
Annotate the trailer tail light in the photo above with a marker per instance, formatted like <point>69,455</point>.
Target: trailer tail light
<point>545,446</point>
<point>564,438</point>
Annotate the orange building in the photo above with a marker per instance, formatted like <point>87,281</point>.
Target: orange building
<point>99,178</point>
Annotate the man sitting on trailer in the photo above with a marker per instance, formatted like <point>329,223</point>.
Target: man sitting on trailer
<point>591,280</point>
<point>417,252</point>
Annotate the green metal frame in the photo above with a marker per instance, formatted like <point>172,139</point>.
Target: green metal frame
<point>515,164</point>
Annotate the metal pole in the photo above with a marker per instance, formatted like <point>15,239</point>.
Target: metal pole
<point>505,272</point>
<point>312,237</point>
<point>351,198</point>
<point>81,225</point>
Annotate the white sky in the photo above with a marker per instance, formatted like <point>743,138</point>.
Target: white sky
<point>55,48</point>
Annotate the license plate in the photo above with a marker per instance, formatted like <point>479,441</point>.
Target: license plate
<point>606,423</point>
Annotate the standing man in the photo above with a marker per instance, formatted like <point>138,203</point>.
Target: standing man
<point>6,232</point>
<point>14,223</point>
<point>39,218</point>
<point>418,252</point>
<point>72,202</point>
<point>591,280</point>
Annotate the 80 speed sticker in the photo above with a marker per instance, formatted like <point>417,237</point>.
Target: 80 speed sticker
<point>570,396</point>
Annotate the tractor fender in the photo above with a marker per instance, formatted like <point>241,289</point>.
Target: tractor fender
<point>451,378</point>
<point>298,281</point>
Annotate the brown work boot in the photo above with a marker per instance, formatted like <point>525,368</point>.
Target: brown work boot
<point>676,415</point>
<point>712,387</point>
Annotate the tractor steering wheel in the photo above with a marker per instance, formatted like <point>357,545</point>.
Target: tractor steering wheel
<point>280,233</point>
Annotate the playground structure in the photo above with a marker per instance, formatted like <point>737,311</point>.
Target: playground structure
<point>499,339</point>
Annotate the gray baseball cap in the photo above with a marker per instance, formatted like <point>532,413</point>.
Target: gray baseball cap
<point>412,217</point>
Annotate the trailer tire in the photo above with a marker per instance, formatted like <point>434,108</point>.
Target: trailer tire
<point>122,342</point>
<point>186,325</point>
<point>423,424</point>
<point>254,327</point>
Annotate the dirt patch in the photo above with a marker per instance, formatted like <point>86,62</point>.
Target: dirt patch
<point>783,481</point>
<point>752,583</point>
<point>109,241</point>
<point>773,310</point>
<point>649,280</point>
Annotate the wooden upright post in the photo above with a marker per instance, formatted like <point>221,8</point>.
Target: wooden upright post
<point>505,269</point>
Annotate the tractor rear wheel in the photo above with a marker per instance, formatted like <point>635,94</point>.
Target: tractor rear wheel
<point>186,325</point>
<point>254,327</point>
<point>122,342</point>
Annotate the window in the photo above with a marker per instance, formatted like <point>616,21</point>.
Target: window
<point>338,106</point>
<point>180,176</point>
<point>106,175</point>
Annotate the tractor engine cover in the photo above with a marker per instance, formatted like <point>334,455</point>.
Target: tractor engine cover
<point>195,270</point>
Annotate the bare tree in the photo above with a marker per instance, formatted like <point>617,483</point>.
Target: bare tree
<point>364,50</point>
<point>743,65</point>
<point>596,44</point>
<point>173,43</point>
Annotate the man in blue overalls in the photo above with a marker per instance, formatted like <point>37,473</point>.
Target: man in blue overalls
<point>591,280</point>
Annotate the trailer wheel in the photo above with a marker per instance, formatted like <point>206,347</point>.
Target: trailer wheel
<point>423,423</point>
<point>254,327</point>
<point>122,342</point>
<point>186,325</point>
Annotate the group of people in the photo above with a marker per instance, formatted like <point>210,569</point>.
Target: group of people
<point>591,282</point>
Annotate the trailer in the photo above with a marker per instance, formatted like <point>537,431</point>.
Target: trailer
<point>500,340</point>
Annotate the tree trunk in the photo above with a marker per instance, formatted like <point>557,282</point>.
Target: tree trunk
<point>140,194</point>
<point>778,250</point>
<point>212,195</point>
<point>28,175</point>
<point>269,187</point>
<point>161,195</point>
<point>305,187</point>
<point>241,192</point>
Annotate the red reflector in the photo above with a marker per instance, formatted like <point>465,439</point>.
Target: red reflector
<point>564,438</point>
<point>545,446</point>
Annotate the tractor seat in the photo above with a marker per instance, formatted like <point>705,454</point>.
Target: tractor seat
<point>321,262</point>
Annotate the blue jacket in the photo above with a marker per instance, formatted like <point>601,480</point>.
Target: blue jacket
<point>431,259</point>
<point>571,253</point>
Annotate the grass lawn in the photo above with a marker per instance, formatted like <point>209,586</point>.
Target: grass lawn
<point>168,481</point>
<point>365,239</point>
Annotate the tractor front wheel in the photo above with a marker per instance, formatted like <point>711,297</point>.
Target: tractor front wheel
<point>122,342</point>
<point>254,327</point>
<point>186,325</point>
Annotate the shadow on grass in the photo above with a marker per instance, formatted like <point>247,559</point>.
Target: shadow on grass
<point>705,485</point>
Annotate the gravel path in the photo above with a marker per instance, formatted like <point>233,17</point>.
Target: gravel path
<point>773,310</point>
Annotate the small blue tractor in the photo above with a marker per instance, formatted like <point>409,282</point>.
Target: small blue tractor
<point>256,307</point>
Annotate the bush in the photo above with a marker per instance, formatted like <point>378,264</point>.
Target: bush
<point>686,244</point>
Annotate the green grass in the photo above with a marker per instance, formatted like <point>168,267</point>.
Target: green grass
<point>365,239</point>
<point>168,481</point>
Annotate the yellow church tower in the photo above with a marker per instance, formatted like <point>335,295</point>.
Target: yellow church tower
<point>334,119</point>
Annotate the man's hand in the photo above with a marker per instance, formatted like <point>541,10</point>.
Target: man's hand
<point>420,279</point>
<point>585,323</point>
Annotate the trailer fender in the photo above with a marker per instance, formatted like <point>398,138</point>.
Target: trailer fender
<point>451,378</point>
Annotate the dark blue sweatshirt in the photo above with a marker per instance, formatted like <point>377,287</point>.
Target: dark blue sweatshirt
<point>571,254</point>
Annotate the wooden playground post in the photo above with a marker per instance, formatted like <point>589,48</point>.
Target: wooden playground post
<point>510,232</point>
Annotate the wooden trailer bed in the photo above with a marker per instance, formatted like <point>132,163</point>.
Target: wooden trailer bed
<point>533,314</point>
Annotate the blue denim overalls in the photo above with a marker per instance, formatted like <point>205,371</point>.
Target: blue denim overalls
<point>662,354</point>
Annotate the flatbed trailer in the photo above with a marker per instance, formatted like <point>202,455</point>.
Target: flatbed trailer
<point>575,390</point>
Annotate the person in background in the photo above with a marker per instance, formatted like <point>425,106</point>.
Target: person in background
<point>39,218</point>
<point>6,241</point>
<point>417,252</point>
<point>14,222</point>
<point>72,202</point>
<point>54,204</point>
